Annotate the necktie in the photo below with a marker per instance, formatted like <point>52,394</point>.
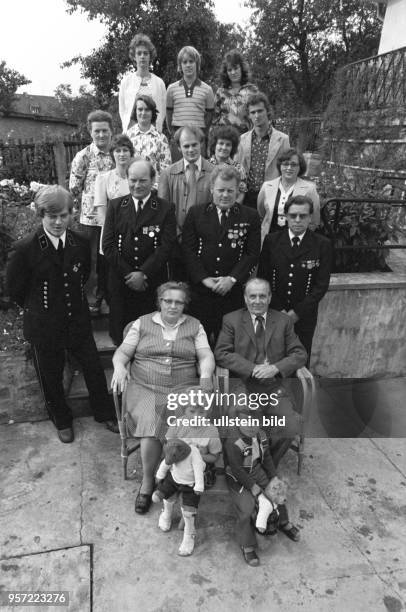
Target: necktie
<point>139,207</point>
<point>223,219</point>
<point>295,242</point>
<point>59,250</point>
<point>260,339</point>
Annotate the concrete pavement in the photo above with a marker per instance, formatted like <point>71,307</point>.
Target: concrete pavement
<point>67,522</point>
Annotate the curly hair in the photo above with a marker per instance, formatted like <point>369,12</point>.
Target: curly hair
<point>99,116</point>
<point>234,58</point>
<point>121,140</point>
<point>144,41</point>
<point>150,103</point>
<point>225,132</point>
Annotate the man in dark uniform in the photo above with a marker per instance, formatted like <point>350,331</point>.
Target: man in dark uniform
<point>46,276</point>
<point>139,234</point>
<point>297,264</point>
<point>221,245</point>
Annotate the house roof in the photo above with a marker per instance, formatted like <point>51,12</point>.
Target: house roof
<point>40,108</point>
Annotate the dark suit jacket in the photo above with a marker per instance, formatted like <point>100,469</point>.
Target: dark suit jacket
<point>210,250</point>
<point>140,241</point>
<point>236,347</point>
<point>56,312</point>
<point>298,277</point>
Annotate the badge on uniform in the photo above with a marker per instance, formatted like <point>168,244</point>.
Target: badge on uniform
<point>76,266</point>
<point>145,230</point>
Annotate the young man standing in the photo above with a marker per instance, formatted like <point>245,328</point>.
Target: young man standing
<point>46,276</point>
<point>86,165</point>
<point>260,147</point>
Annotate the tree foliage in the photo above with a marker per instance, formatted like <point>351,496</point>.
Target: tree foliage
<point>171,24</point>
<point>10,81</point>
<point>296,46</point>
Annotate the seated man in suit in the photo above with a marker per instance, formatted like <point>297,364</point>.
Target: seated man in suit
<point>259,346</point>
<point>297,264</point>
<point>260,147</point>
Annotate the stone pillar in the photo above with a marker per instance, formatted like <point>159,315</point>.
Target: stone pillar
<point>60,163</point>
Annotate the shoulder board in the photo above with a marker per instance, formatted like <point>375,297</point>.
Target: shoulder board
<point>70,238</point>
<point>43,242</point>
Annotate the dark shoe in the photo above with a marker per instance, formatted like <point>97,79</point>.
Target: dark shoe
<point>292,532</point>
<point>250,557</point>
<point>66,435</point>
<point>112,425</point>
<point>143,503</point>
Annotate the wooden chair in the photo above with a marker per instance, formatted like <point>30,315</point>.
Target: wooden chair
<point>308,388</point>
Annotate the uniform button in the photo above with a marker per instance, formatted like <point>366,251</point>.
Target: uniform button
<point>220,245</point>
<point>66,285</point>
<point>217,258</point>
<point>289,284</point>
<point>289,292</point>
<point>216,272</point>
<point>69,304</point>
<point>290,273</point>
<point>67,294</point>
<point>136,238</point>
<point>292,265</point>
<point>135,248</point>
<point>65,274</point>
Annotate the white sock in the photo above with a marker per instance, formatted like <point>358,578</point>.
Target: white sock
<point>188,543</point>
<point>264,510</point>
<point>165,518</point>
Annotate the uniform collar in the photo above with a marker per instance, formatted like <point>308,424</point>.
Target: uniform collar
<point>292,235</point>
<point>54,240</point>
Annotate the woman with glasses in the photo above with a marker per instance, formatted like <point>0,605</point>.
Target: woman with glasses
<point>275,193</point>
<point>169,349</point>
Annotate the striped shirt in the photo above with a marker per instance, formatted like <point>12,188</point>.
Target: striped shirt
<point>189,104</point>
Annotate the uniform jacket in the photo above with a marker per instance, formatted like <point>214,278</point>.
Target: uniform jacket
<point>140,241</point>
<point>56,312</point>
<point>278,144</point>
<point>299,277</point>
<point>236,346</point>
<point>173,186</point>
<point>267,197</point>
<point>210,250</point>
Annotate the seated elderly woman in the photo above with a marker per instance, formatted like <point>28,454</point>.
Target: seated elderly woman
<point>167,347</point>
<point>275,193</point>
<point>148,143</point>
<point>223,145</point>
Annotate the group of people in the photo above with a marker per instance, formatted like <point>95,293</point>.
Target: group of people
<point>230,238</point>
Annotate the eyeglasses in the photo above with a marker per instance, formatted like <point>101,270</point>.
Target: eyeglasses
<point>301,216</point>
<point>177,303</point>
<point>289,164</point>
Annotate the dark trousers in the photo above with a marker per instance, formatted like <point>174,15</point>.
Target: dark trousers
<point>126,305</point>
<point>250,199</point>
<point>209,308</point>
<point>49,364</point>
<point>305,331</point>
<point>169,487</point>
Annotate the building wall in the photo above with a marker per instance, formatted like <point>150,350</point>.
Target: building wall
<point>18,128</point>
<point>393,34</point>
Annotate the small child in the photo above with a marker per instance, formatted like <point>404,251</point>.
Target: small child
<point>250,471</point>
<point>204,437</point>
<point>180,472</point>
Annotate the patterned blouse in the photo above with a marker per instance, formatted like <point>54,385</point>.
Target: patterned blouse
<point>108,185</point>
<point>229,107</point>
<point>243,175</point>
<point>86,165</point>
<point>151,145</point>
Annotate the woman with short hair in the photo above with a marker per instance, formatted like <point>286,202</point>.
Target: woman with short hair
<point>167,347</point>
<point>142,81</point>
<point>275,193</point>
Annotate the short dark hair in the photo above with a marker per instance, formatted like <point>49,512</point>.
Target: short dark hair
<point>150,103</point>
<point>286,157</point>
<point>152,171</point>
<point>259,98</point>
<point>299,201</point>
<point>234,58</point>
<point>99,115</point>
<point>225,132</point>
<point>193,129</point>
<point>121,140</point>
<point>52,199</point>
<point>174,286</point>
<point>144,41</point>
<point>226,172</point>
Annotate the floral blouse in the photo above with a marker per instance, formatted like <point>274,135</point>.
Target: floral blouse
<point>243,175</point>
<point>229,107</point>
<point>151,145</point>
